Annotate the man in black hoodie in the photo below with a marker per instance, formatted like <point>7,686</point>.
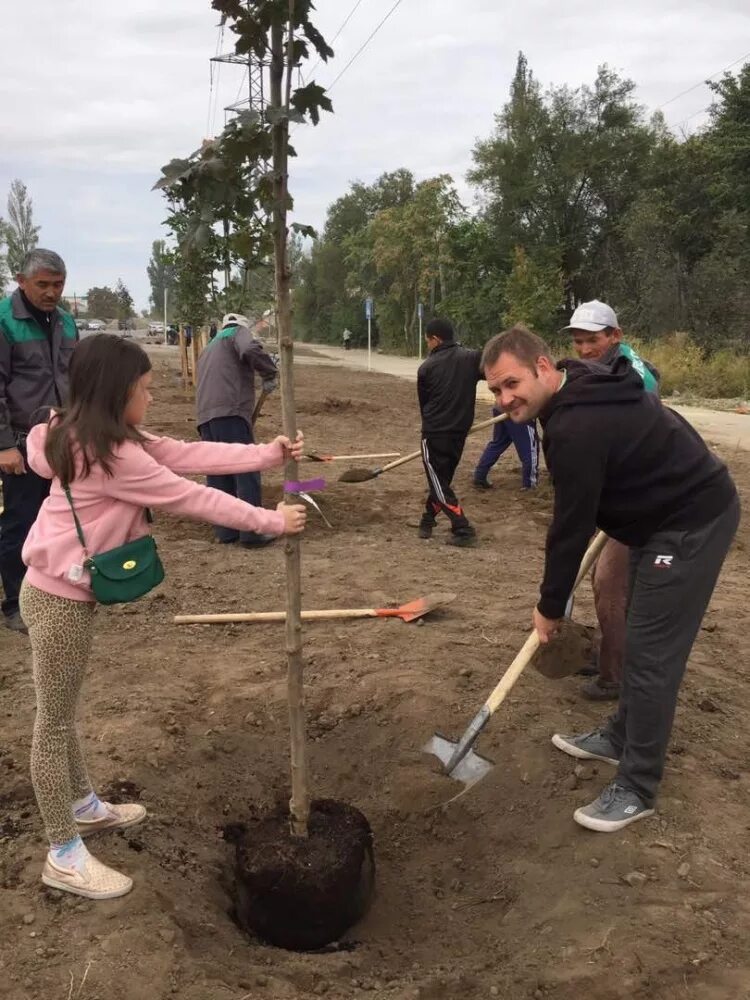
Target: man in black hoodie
<point>623,462</point>
<point>447,389</point>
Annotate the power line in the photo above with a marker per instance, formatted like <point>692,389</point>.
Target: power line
<point>212,113</point>
<point>211,82</point>
<point>344,23</point>
<point>701,84</point>
<point>242,84</point>
<point>364,45</point>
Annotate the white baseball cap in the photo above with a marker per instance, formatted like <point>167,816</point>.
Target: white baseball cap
<point>235,319</point>
<point>593,316</point>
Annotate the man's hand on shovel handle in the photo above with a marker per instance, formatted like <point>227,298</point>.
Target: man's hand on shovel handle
<point>546,628</point>
<point>295,516</point>
<point>291,450</point>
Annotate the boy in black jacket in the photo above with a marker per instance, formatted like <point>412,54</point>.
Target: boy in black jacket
<point>622,462</point>
<point>447,390</point>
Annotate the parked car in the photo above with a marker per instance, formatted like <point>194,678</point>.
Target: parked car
<point>156,328</point>
<point>95,324</point>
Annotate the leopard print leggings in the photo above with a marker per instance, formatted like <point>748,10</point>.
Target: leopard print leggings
<point>60,631</point>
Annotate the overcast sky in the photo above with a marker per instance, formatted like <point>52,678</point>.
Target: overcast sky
<point>98,96</point>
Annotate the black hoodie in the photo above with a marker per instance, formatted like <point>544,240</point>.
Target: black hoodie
<point>621,461</point>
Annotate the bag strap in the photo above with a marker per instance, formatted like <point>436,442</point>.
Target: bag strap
<point>79,529</point>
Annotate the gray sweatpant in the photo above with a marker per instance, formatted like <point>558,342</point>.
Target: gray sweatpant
<point>671,581</point>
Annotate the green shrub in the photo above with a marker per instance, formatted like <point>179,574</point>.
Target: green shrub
<point>687,369</point>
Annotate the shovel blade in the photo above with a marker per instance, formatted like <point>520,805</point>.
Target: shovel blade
<point>358,475</point>
<point>471,769</point>
<point>423,605</point>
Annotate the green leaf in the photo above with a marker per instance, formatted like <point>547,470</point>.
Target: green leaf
<point>311,100</point>
<point>201,236</point>
<point>174,171</point>
<point>322,47</point>
<point>215,167</point>
<point>303,230</point>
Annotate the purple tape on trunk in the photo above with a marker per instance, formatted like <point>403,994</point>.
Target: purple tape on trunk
<point>308,486</point>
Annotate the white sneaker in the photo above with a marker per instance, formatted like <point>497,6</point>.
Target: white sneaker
<point>118,818</point>
<point>96,881</point>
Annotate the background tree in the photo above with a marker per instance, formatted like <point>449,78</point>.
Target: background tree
<point>161,275</point>
<point>124,301</point>
<point>20,232</point>
<point>103,303</point>
<point>532,293</point>
<point>5,276</point>
<point>579,196</point>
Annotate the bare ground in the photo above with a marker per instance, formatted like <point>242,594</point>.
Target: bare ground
<point>500,894</point>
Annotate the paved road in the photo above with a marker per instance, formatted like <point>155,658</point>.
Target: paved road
<point>717,426</point>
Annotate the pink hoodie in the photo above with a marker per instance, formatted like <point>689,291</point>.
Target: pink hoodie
<point>111,509</point>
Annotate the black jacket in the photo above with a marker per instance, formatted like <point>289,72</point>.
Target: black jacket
<point>447,389</point>
<point>622,461</point>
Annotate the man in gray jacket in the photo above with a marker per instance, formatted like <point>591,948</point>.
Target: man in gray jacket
<point>225,398</point>
<point>37,339</point>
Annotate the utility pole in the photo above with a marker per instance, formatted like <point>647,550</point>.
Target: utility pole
<point>166,338</point>
<point>368,315</point>
<point>255,101</point>
<point>420,313</point>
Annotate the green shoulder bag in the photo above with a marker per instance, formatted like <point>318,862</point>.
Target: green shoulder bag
<point>123,574</point>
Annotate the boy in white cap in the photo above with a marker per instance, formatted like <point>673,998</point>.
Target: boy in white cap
<point>596,335</point>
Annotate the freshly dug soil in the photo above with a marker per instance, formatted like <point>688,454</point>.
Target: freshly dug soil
<point>301,894</point>
<point>501,894</point>
<point>570,649</point>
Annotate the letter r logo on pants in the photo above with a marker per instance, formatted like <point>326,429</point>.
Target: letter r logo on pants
<point>664,562</point>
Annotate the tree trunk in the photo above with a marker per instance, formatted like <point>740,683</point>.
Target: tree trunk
<point>227,258</point>
<point>299,805</point>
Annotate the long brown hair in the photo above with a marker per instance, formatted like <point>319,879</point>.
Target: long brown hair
<point>103,371</point>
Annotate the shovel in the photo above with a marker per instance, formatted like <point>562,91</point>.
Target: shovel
<point>458,758</point>
<point>362,475</point>
<point>313,456</point>
<point>406,612</point>
<point>259,405</point>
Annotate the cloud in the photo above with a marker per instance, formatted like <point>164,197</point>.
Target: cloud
<point>97,97</point>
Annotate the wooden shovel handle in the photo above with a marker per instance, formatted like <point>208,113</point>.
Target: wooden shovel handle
<point>526,652</point>
<point>416,454</point>
<point>259,405</point>
<point>274,616</point>
<point>315,457</point>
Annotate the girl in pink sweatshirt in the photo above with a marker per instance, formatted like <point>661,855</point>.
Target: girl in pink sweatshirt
<point>114,472</point>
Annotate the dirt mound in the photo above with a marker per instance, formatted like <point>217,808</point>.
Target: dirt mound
<point>334,404</point>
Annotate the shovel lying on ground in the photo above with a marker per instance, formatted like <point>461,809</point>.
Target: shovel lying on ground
<point>458,758</point>
<point>363,475</point>
<point>313,456</point>
<point>406,612</point>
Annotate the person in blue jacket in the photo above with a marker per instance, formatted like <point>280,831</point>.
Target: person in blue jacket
<point>524,438</point>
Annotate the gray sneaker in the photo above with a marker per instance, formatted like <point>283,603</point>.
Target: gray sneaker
<point>615,808</point>
<point>595,745</point>
<point>16,623</point>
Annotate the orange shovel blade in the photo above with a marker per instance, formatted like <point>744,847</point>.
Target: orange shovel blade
<point>418,608</point>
